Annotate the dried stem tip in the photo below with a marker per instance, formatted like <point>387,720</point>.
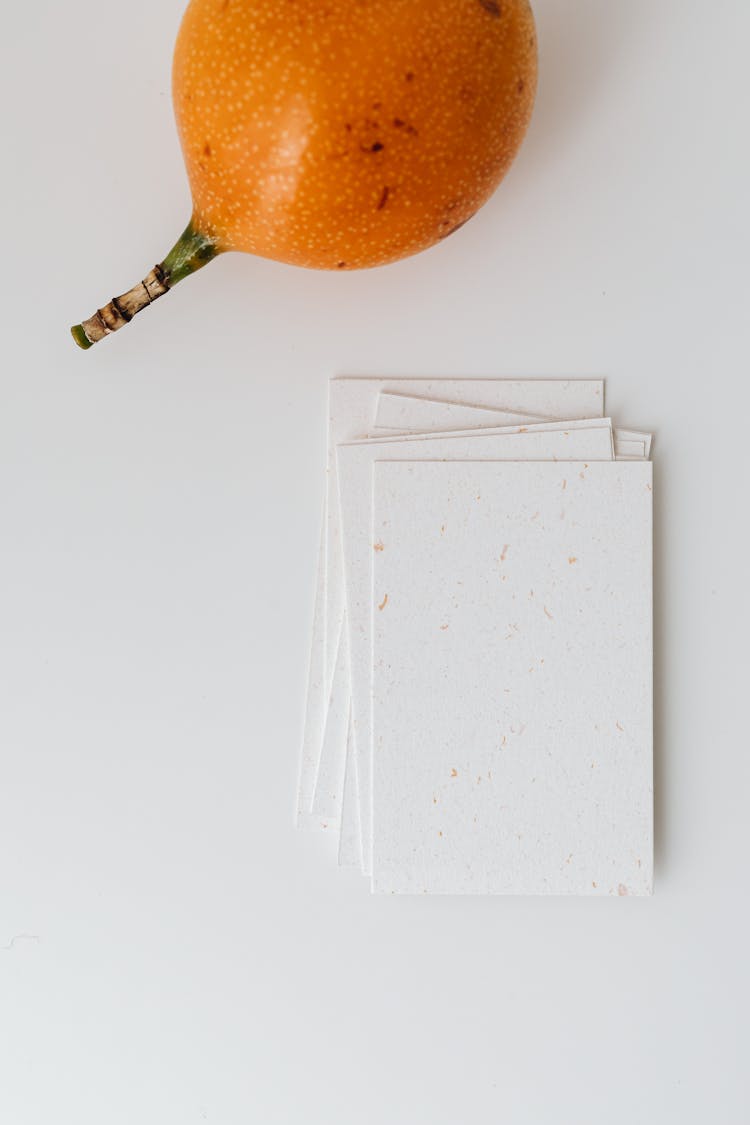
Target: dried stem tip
<point>191,251</point>
<point>121,310</point>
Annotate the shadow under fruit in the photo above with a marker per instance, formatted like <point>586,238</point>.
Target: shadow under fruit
<point>338,134</point>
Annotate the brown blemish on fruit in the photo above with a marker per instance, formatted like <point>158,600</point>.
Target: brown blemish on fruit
<point>383,198</point>
<point>453,229</point>
<point>270,187</point>
<point>206,149</point>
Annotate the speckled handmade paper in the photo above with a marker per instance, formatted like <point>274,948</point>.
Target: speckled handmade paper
<point>353,404</point>
<point>513,678</point>
<point>402,413</point>
<point>398,411</point>
<point>591,438</point>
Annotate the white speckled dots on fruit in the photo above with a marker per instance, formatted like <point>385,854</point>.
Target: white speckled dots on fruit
<point>346,135</point>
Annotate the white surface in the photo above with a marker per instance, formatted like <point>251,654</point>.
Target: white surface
<point>192,957</point>
<point>512,656</point>
<point>360,541</point>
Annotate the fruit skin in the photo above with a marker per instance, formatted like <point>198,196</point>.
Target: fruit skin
<point>341,134</point>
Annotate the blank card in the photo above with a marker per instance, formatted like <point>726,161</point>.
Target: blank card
<point>399,413</point>
<point>591,439</point>
<point>350,836</point>
<point>353,405</point>
<point>413,412</point>
<point>512,698</point>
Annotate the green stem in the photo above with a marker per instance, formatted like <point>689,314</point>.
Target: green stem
<point>192,250</point>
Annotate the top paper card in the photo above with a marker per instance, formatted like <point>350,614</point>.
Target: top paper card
<point>512,697</point>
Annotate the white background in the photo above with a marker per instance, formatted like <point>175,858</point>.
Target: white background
<point>171,950</point>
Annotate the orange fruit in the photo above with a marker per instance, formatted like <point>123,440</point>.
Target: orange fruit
<point>339,134</point>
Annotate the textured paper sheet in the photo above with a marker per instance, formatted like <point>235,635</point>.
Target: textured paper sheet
<point>590,439</point>
<point>401,413</point>
<point>511,610</point>
<point>350,839</point>
<point>352,411</point>
<point>632,445</point>
<point>412,412</point>
<point>633,450</point>
<point>329,783</point>
<point>639,436</point>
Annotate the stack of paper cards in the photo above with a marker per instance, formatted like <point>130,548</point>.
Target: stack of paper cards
<point>479,713</point>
